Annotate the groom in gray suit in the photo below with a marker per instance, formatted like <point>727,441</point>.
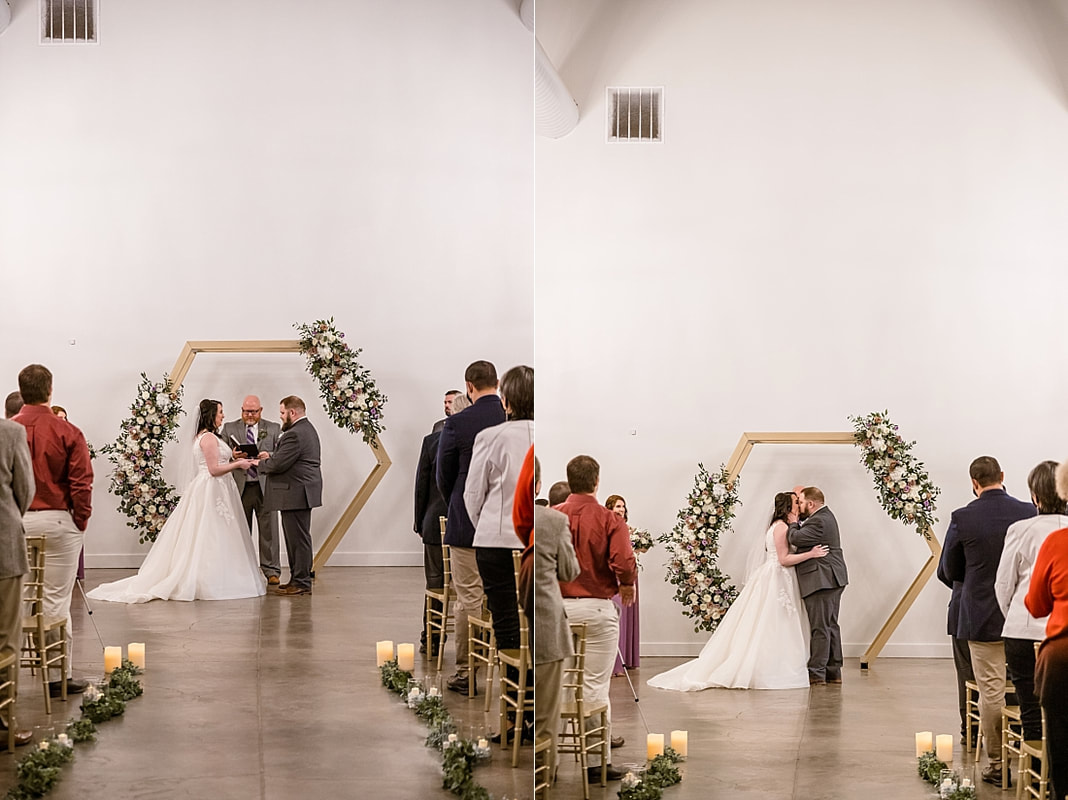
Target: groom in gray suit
<point>251,429</point>
<point>295,487</point>
<point>821,581</point>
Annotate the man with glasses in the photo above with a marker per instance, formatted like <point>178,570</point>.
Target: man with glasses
<point>251,429</point>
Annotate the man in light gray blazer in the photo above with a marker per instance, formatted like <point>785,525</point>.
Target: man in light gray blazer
<point>263,433</point>
<point>295,487</point>
<point>16,493</point>
<point>821,581</point>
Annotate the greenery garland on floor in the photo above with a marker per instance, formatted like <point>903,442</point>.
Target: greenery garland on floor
<point>660,774</point>
<point>458,755</point>
<point>39,771</point>
<point>930,766</point>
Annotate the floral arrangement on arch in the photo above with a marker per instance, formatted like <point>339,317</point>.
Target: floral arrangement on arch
<point>905,490</point>
<point>350,396</point>
<point>137,478</point>
<point>704,592</point>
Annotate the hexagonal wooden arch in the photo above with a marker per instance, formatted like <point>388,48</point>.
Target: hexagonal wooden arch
<point>734,468</point>
<point>363,494</point>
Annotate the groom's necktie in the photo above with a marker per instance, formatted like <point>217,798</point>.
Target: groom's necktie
<point>250,437</point>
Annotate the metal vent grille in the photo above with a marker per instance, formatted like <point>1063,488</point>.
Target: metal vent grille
<point>68,21</point>
<point>635,114</point>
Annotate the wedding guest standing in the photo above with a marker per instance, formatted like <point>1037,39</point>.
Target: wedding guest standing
<point>1048,595</point>
<point>1021,631</point>
<point>253,429</point>
<point>295,487</point>
<point>629,629</point>
<point>971,554</point>
<point>429,508</point>
<point>450,396</point>
<point>606,558</point>
<point>12,405</point>
<point>454,460</point>
<point>554,561</point>
<point>489,493</point>
<point>16,492</point>
<point>62,503</point>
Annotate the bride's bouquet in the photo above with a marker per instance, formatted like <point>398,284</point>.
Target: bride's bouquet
<point>704,592</point>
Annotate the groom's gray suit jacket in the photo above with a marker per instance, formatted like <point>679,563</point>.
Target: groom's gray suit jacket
<point>828,572</point>
<point>294,477</point>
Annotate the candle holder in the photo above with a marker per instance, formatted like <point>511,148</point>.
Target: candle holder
<point>633,774</point>
<point>415,693</point>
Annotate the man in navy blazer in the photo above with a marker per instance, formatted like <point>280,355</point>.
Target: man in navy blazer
<point>970,555</point>
<point>454,459</point>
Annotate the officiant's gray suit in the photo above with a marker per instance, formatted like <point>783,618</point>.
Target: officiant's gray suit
<point>253,493</point>
<point>821,582</point>
<point>295,487</point>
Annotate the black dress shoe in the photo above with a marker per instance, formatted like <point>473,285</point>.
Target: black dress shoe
<point>55,688</point>
<point>22,738</point>
<point>616,741</point>
<point>594,774</point>
<point>993,775</point>
<point>459,684</point>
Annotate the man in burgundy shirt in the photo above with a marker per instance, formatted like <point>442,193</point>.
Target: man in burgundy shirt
<point>602,545</point>
<point>62,503</point>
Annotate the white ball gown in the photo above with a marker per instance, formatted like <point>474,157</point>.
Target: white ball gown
<point>203,551</point>
<point>762,641</point>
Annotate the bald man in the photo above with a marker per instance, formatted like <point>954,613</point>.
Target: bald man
<point>251,429</point>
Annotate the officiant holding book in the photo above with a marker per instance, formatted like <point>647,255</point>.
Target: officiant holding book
<point>257,435</point>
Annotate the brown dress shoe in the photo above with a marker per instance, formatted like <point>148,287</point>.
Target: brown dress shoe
<point>22,738</point>
<point>272,580</point>
<point>290,590</point>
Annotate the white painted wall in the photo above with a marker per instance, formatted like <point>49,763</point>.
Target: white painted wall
<point>225,170</point>
<point>856,206</point>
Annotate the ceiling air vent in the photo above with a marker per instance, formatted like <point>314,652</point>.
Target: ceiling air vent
<point>68,21</point>
<point>635,114</point>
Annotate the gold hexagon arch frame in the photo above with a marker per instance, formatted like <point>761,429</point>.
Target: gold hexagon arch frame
<point>734,468</point>
<point>382,459</point>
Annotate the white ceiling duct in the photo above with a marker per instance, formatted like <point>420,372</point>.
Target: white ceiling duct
<point>5,15</point>
<point>526,14</point>
<point>556,112</point>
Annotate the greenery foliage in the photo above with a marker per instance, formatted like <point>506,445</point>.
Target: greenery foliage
<point>704,592</point>
<point>930,767</point>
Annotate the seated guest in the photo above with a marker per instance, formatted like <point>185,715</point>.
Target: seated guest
<point>1048,596</point>
<point>1021,631</point>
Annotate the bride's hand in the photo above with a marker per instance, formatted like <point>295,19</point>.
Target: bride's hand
<point>791,518</point>
<point>819,551</point>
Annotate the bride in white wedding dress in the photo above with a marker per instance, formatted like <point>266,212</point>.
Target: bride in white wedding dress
<point>762,641</point>
<point>203,551</point>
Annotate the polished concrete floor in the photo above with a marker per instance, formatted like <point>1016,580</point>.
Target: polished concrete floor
<point>852,741</point>
<point>273,697</point>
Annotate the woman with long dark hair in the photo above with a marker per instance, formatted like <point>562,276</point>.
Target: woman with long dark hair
<point>762,641</point>
<point>203,551</point>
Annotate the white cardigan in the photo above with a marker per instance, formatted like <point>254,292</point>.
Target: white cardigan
<point>1022,542</point>
<point>489,491</point>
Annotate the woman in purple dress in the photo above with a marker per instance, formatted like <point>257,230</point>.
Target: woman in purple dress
<point>629,633</point>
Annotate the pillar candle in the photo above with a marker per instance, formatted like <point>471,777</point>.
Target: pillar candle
<point>385,651</point>
<point>654,745</point>
<point>679,742</point>
<point>923,742</point>
<point>136,653</point>
<point>112,658</point>
<point>406,656</point>
<point>944,749</point>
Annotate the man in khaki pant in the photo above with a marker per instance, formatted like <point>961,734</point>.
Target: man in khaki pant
<point>971,554</point>
<point>16,492</point>
<point>62,502</point>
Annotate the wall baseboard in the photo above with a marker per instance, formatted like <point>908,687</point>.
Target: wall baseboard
<point>905,650</point>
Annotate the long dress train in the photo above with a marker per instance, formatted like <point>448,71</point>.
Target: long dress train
<point>762,641</point>
<point>203,551</point>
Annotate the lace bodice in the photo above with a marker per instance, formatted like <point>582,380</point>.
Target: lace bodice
<point>198,453</point>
